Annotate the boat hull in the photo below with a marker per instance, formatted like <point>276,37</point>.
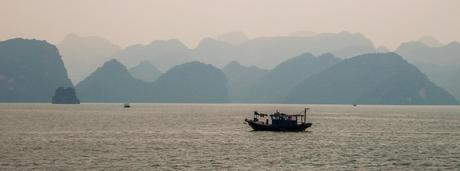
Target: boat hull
<point>259,126</point>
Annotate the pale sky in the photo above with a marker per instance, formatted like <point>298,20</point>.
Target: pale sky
<point>126,22</point>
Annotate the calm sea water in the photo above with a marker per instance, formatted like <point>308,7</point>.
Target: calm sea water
<point>214,137</point>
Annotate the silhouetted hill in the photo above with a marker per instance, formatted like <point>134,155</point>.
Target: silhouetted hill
<point>370,79</point>
<point>110,83</point>
<point>30,71</point>
<point>275,85</point>
<point>145,71</point>
<point>82,55</point>
<point>241,79</point>
<point>163,53</point>
<point>440,64</point>
<point>192,82</point>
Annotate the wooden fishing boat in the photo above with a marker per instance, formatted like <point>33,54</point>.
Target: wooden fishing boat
<point>279,122</point>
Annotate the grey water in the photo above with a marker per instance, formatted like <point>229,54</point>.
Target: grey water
<point>214,137</point>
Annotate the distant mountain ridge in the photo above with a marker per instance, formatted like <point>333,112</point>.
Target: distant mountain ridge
<point>163,53</point>
<point>419,52</point>
<point>264,52</point>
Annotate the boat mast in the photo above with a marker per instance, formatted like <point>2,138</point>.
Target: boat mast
<point>305,116</point>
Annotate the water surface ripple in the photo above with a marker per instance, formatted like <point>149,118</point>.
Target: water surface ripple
<point>214,136</point>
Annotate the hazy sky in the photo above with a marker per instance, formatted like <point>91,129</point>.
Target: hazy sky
<point>125,22</point>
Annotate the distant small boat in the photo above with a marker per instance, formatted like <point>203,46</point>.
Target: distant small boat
<point>279,122</point>
<point>126,105</point>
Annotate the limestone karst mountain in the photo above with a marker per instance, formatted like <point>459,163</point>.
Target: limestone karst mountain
<point>241,79</point>
<point>193,82</point>
<point>276,84</point>
<point>30,71</point>
<point>82,55</point>
<point>384,78</point>
<point>111,82</point>
<point>440,64</point>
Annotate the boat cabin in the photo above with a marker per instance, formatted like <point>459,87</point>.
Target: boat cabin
<point>281,119</point>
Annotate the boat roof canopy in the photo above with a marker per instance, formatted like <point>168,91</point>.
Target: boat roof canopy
<point>277,114</point>
<point>283,114</point>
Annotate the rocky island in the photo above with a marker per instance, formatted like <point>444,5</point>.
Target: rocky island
<point>65,96</point>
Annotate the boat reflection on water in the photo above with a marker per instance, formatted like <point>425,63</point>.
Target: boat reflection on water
<point>279,122</point>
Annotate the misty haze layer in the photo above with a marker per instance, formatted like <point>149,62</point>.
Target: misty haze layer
<point>387,22</point>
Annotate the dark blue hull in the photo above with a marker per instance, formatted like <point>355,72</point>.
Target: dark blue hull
<point>259,126</point>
